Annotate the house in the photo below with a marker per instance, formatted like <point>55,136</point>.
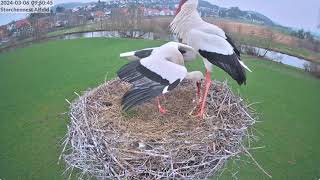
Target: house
<point>107,13</point>
<point>62,19</point>
<point>11,27</point>
<point>61,23</point>
<point>99,15</point>
<point>151,12</point>
<point>3,32</point>
<point>45,23</point>
<point>166,12</point>
<point>23,27</point>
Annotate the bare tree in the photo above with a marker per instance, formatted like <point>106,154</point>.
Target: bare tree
<point>160,27</point>
<point>313,68</point>
<point>317,46</point>
<point>34,21</point>
<point>127,20</point>
<point>268,42</point>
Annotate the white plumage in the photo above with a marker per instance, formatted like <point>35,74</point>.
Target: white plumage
<point>189,54</point>
<point>132,56</point>
<point>164,68</point>
<point>210,41</point>
<point>156,71</point>
<point>190,27</point>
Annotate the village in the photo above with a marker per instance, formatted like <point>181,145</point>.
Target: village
<point>61,18</point>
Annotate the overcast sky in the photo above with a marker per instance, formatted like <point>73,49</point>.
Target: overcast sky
<point>293,13</point>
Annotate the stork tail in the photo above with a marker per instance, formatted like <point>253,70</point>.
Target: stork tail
<point>245,66</point>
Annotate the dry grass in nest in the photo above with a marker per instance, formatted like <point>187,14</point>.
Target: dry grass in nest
<point>104,142</point>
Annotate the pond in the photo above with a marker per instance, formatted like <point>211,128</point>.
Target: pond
<point>135,34</point>
<point>282,58</point>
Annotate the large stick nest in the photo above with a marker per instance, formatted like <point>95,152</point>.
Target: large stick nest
<point>104,142</point>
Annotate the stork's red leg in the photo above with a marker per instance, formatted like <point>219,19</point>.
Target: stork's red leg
<point>205,94</point>
<point>161,109</point>
<point>199,92</point>
<point>164,97</point>
<point>199,97</point>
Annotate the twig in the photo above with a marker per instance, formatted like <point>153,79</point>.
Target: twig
<point>259,166</point>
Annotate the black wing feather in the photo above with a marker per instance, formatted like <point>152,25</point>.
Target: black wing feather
<point>143,53</point>
<point>146,84</point>
<point>236,50</point>
<point>137,96</point>
<point>229,63</point>
<point>129,72</point>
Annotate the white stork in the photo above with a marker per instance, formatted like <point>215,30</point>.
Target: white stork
<point>155,72</point>
<point>211,42</point>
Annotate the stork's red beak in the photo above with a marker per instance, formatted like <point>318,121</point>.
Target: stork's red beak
<point>180,5</point>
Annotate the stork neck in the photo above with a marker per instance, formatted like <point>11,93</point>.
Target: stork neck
<point>185,20</point>
<point>170,54</point>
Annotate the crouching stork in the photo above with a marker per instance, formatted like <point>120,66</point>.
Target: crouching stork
<point>155,72</point>
<point>211,42</point>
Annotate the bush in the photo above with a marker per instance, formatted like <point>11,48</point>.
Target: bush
<point>313,68</point>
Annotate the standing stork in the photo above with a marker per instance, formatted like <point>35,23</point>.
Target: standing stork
<point>156,71</point>
<point>211,42</point>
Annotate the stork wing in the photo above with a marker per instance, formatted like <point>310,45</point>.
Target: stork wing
<point>219,52</point>
<point>137,55</point>
<point>150,77</point>
<point>235,49</point>
<point>188,53</point>
<point>215,30</point>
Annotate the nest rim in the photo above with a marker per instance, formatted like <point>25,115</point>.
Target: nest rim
<point>94,149</point>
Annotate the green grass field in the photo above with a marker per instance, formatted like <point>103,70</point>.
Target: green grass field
<point>36,80</point>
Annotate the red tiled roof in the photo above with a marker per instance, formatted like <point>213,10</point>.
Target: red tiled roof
<point>99,13</point>
<point>21,23</point>
<point>44,24</point>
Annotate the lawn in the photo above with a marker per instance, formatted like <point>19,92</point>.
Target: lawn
<point>36,80</point>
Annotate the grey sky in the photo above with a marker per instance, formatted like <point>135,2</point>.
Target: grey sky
<point>293,13</point>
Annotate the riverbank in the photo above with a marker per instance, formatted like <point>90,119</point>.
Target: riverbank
<point>281,48</point>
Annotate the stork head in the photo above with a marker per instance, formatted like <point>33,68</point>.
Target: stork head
<point>181,3</point>
<point>191,3</point>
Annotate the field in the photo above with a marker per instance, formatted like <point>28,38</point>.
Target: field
<point>35,81</point>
